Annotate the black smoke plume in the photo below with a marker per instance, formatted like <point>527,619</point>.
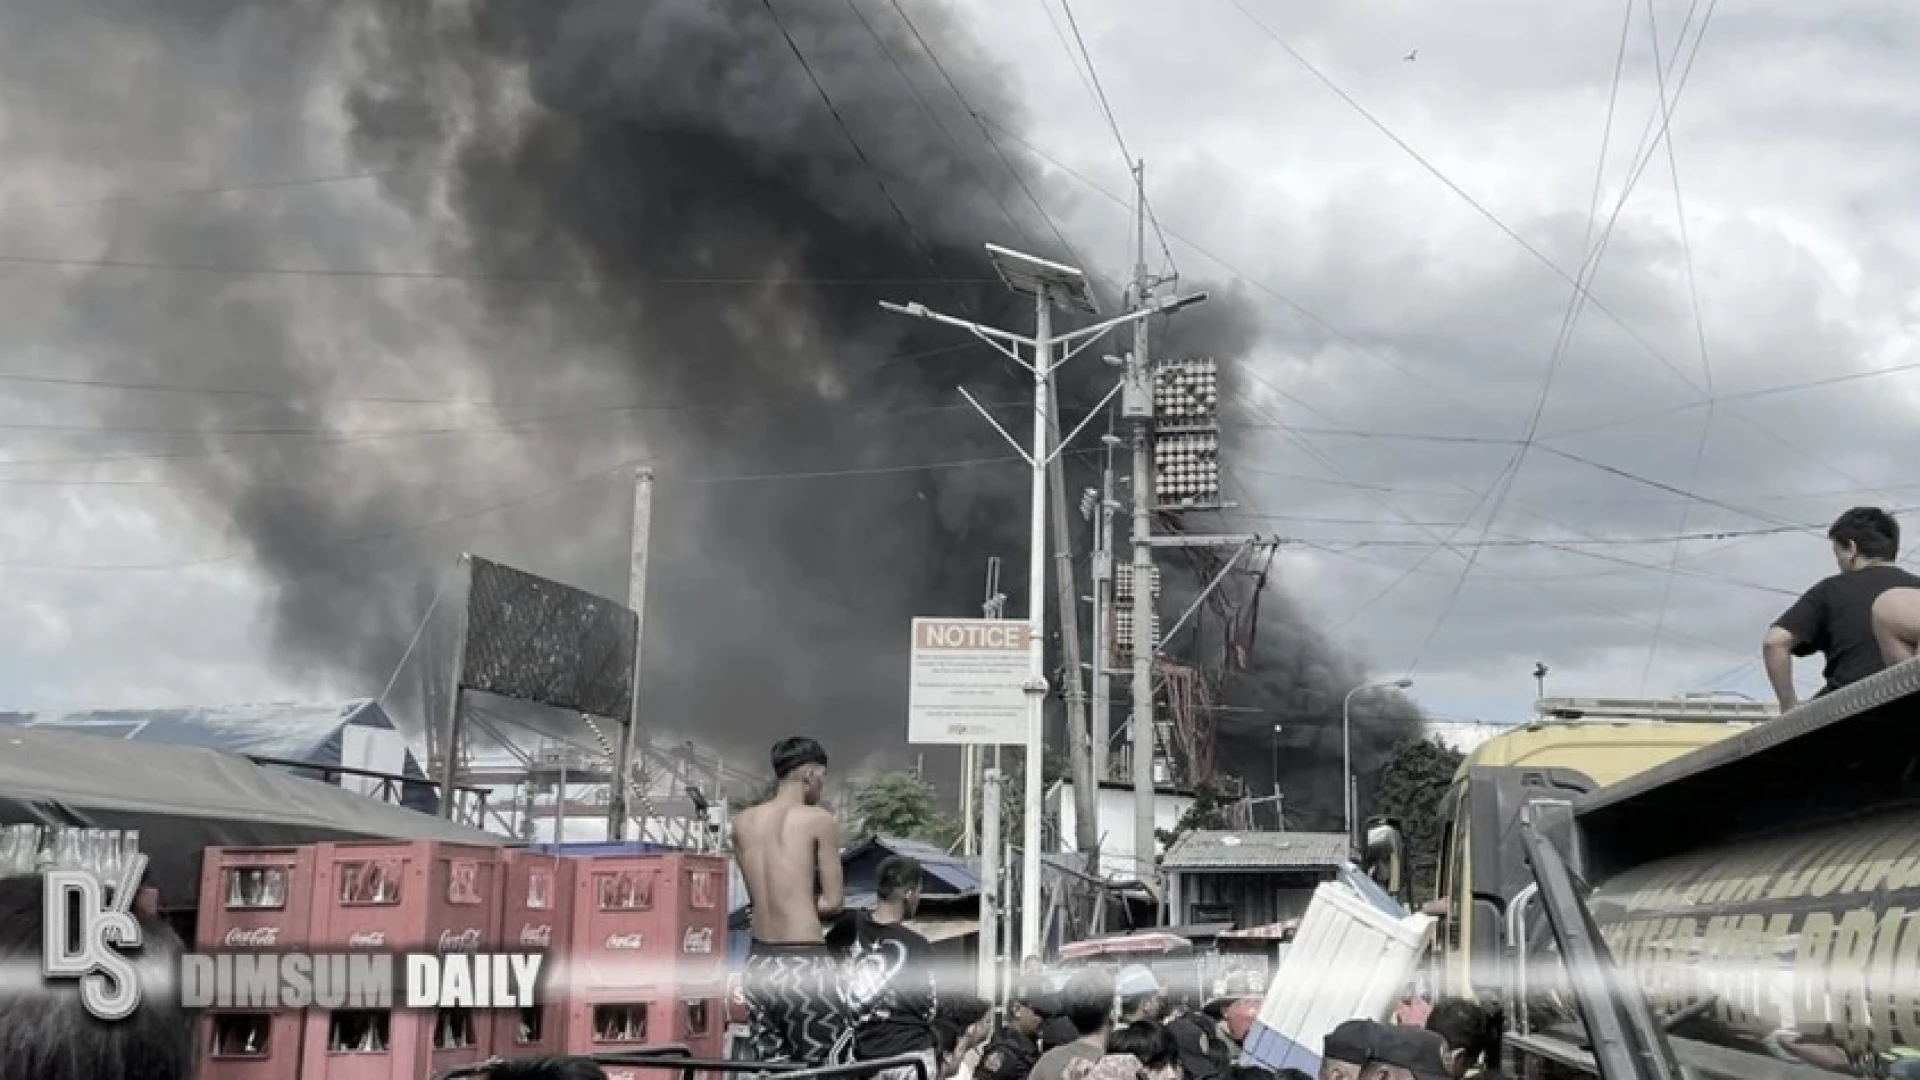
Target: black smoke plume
<point>658,234</point>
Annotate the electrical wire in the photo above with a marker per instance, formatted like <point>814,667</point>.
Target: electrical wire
<point>217,270</point>
<point>1018,177</point>
<point>858,152</point>
<point>534,495</point>
<point>1113,125</point>
<point>927,109</point>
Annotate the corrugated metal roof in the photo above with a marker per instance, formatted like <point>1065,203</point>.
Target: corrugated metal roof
<point>290,731</point>
<point>958,874</point>
<point>1256,851</point>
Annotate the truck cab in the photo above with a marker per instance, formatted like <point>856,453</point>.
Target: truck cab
<point>1577,745</point>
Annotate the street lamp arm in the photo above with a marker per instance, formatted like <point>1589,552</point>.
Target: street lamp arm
<point>918,310</point>
<point>1164,307</point>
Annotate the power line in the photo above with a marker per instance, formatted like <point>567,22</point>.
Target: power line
<point>1013,171</point>
<point>846,131</point>
<point>926,108</point>
<point>1113,125</point>
<point>399,399</point>
<point>529,497</point>
<point>1477,206</point>
<point>526,426</point>
<point>184,193</point>
<point>217,270</point>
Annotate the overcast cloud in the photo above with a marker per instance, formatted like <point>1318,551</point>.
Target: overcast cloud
<point>1399,324</point>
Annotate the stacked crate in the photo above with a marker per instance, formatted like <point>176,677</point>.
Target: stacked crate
<point>254,899</point>
<point>386,897</point>
<point>536,915</point>
<point>645,963</point>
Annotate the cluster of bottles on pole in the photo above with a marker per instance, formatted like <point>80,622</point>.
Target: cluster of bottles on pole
<point>1187,469</point>
<point>32,849</point>
<point>1186,392</point>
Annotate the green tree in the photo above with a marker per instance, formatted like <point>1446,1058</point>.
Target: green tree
<point>1207,813</point>
<point>1410,788</point>
<point>900,804</point>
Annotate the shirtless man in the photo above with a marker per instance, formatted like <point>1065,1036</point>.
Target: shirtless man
<point>1896,624</point>
<point>784,846</point>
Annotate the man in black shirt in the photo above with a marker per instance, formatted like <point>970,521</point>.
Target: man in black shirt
<point>1835,617</point>
<point>889,984</point>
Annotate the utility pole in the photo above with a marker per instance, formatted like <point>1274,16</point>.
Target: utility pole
<point>1139,375</point>
<point>1050,284</point>
<point>637,601</point>
<point>1086,803</point>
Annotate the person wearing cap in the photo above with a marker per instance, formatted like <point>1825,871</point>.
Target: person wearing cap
<point>1013,1053</point>
<point>1141,996</point>
<point>1201,1036</point>
<point>1087,1003</point>
<point>784,846</point>
<point>1406,1053</point>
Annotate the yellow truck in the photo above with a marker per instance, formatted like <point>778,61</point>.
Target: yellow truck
<point>1661,889</point>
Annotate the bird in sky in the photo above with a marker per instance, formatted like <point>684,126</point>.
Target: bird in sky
<point>1412,56</point>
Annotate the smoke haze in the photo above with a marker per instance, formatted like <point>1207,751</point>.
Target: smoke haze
<point>611,234</point>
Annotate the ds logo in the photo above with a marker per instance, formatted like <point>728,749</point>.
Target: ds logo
<point>94,950</point>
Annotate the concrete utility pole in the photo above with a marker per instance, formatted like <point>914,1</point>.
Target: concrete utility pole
<point>637,601</point>
<point>1050,284</point>
<point>1139,373</point>
<point>1086,804</point>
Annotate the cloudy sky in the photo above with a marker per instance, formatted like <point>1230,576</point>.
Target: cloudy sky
<point>1475,473</point>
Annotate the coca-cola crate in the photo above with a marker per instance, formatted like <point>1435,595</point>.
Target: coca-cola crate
<point>656,921</point>
<point>251,1045</point>
<point>380,1044</point>
<point>256,898</point>
<point>536,915</point>
<point>604,1022</point>
<point>423,896</point>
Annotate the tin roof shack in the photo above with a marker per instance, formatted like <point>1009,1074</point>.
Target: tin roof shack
<point>1250,878</point>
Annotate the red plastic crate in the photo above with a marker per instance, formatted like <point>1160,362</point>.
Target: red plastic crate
<point>251,1045</point>
<point>256,898</point>
<point>657,920</point>
<point>392,1045</point>
<point>609,1021</point>
<point>422,896</point>
<point>536,915</point>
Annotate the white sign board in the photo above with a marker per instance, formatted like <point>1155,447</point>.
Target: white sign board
<point>969,682</point>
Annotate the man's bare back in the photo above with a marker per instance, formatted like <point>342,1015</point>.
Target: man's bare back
<point>783,847</point>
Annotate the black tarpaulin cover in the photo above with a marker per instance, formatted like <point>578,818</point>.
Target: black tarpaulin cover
<point>184,799</point>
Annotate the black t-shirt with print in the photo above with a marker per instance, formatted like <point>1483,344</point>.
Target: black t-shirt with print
<point>1835,619</point>
<point>889,989</point>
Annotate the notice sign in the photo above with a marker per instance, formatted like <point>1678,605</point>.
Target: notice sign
<point>969,680</point>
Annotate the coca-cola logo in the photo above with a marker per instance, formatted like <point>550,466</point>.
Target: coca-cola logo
<point>259,937</point>
<point>699,941</point>
<point>367,939</point>
<point>626,941</point>
<point>465,939</point>
<point>538,936</point>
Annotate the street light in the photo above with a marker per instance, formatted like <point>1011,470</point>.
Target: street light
<point>1279,818</point>
<point>1346,746</point>
<point>1051,285</point>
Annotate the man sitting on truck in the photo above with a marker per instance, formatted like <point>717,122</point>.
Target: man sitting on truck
<point>1835,617</point>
